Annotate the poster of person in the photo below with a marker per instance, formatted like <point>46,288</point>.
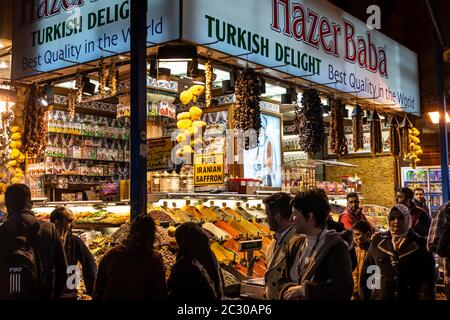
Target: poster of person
<point>264,161</point>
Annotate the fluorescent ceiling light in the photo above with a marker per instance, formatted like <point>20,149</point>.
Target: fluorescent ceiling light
<point>434,117</point>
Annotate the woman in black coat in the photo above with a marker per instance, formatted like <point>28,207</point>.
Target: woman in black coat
<point>406,267</point>
<point>196,275</point>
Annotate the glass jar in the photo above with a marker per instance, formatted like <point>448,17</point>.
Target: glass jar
<point>156,182</point>
<point>190,183</point>
<point>165,183</point>
<point>183,182</point>
<point>174,182</point>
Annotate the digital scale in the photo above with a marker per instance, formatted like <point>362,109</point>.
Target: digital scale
<point>251,288</point>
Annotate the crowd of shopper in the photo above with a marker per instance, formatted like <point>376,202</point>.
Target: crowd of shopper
<point>311,256</point>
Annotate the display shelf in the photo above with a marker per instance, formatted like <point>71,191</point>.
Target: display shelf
<point>86,159</point>
<point>86,136</point>
<point>409,182</point>
<point>84,110</point>
<point>76,175</point>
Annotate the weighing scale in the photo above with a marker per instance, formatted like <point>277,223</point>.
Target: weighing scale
<point>251,288</point>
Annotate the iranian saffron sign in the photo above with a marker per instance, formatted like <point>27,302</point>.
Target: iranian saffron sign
<point>312,39</point>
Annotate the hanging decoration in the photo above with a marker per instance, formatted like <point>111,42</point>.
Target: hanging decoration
<point>337,131</point>
<point>208,84</point>
<point>112,79</point>
<point>411,148</point>
<point>35,129</point>
<point>247,114</point>
<point>79,88</point>
<point>394,136</point>
<point>376,140</point>
<point>102,78</point>
<point>309,122</point>
<point>358,128</point>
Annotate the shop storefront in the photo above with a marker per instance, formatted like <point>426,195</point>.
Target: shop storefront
<point>237,108</point>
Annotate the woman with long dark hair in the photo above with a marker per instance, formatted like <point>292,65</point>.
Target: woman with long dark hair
<point>133,269</point>
<point>196,275</point>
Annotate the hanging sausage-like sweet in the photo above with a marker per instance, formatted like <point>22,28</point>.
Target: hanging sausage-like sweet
<point>102,78</point>
<point>394,136</point>
<point>309,122</point>
<point>358,128</point>
<point>112,78</point>
<point>376,140</point>
<point>337,130</point>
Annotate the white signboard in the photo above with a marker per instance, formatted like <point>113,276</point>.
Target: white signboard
<point>312,39</point>
<point>54,34</point>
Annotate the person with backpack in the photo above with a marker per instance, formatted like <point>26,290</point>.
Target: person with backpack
<point>32,259</point>
<point>76,252</point>
<point>438,241</point>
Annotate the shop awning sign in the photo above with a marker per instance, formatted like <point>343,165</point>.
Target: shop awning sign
<point>312,39</point>
<point>54,34</point>
<point>209,169</point>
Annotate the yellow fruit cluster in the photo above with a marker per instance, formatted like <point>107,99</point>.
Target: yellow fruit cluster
<point>415,150</point>
<point>192,94</point>
<point>190,125</point>
<point>16,157</point>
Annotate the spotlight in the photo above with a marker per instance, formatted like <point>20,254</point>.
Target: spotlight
<point>227,87</point>
<point>163,74</point>
<point>192,68</point>
<point>49,93</point>
<point>153,72</point>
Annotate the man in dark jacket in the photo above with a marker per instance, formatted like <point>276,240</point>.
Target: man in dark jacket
<point>404,267</point>
<point>48,249</point>
<point>76,252</point>
<point>420,201</point>
<point>318,265</point>
<point>420,220</point>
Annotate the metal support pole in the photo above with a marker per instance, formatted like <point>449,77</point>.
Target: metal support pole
<point>442,108</point>
<point>138,127</point>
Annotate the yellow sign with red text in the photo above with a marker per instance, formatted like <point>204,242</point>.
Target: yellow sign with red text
<point>209,169</point>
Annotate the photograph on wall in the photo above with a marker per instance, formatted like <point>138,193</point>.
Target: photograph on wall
<point>264,161</point>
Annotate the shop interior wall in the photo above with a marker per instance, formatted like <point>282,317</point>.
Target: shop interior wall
<point>377,174</point>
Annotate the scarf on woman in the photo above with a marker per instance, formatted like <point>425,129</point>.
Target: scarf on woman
<point>398,240</point>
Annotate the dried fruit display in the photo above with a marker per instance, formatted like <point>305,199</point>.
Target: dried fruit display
<point>337,134</point>
<point>102,78</point>
<point>376,140</point>
<point>72,98</point>
<point>35,128</point>
<point>394,136</point>
<point>112,79</point>
<point>247,114</point>
<point>208,84</point>
<point>79,88</point>
<point>309,122</point>
<point>358,128</point>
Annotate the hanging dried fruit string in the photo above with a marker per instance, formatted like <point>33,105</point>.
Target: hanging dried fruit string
<point>35,128</point>
<point>112,78</point>
<point>208,84</point>
<point>394,136</point>
<point>376,140</point>
<point>309,122</point>
<point>72,98</point>
<point>337,130</point>
<point>358,128</point>
<point>247,114</point>
<point>404,127</point>
<point>102,77</point>
<point>79,88</point>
